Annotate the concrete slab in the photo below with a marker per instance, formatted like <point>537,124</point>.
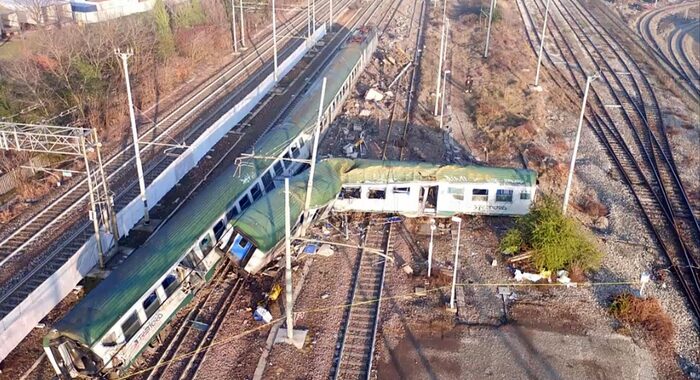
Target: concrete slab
<point>298,337</point>
<point>149,228</point>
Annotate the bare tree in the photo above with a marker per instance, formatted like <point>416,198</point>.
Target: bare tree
<point>37,11</point>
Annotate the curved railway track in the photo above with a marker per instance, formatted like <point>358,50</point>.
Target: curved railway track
<point>633,134</point>
<point>354,356</point>
<point>669,53</point>
<point>79,229</point>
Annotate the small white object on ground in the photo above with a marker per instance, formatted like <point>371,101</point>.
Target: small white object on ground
<point>494,263</point>
<point>519,276</point>
<point>374,95</point>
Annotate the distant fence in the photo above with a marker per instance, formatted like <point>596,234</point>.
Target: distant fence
<point>11,180</point>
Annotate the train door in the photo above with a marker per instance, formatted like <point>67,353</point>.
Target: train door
<point>428,199</point>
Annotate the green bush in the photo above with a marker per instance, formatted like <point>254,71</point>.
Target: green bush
<point>556,241</point>
<point>166,42</point>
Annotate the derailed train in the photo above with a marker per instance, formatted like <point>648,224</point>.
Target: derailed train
<point>110,327</point>
<point>411,189</point>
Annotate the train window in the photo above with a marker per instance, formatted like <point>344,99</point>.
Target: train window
<point>503,195</point>
<point>480,195</point>
<point>169,285</point>
<point>205,245</point>
<point>256,192</point>
<point>350,193</point>
<point>295,151</point>
<point>456,192</point>
<point>524,195</point>
<point>267,181</point>
<point>279,169</point>
<point>286,157</point>
<point>131,325</point>
<point>219,229</point>
<point>376,194</point>
<point>150,304</point>
<point>244,202</point>
<point>243,242</point>
<point>402,190</point>
<point>232,213</point>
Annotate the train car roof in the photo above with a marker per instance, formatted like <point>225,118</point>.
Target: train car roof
<point>93,316</point>
<point>263,222</point>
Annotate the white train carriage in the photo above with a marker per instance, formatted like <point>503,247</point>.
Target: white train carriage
<point>412,189</point>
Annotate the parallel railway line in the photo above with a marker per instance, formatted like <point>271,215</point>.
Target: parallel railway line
<point>18,289</point>
<point>634,135</point>
<point>187,348</point>
<point>670,53</point>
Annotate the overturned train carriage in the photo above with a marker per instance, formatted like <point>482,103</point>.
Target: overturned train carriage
<point>110,327</point>
<point>408,188</point>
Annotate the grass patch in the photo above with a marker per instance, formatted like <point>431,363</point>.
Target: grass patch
<point>645,314</point>
<point>555,240</point>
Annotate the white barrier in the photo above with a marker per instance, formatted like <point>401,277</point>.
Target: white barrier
<point>23,318</point>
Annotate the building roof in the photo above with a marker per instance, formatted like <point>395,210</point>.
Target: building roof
<point>93,316</point>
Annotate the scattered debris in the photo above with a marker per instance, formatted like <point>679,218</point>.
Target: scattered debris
<point>324,296</point>
<point>520,276</point>
<point>374,95</point>
<point>262,315</point>
<point>420,291</point>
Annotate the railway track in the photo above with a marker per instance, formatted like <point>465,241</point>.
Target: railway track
<point>354,357</point>
<point>354,360</point>
<point>186,347</point>
<point>673,55</point>
<point>633,134</point>
<point>80,229</point>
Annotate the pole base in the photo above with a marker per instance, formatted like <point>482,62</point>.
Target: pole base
<point>149,228</point>
<point>298,337</point>
<point>536,88</point>
<point>449,309</point>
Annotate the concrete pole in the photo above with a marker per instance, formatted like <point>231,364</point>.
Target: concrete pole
<point>274,38</point>
<point>240,4</point>
<point>539,57</point>
<point>313,15</point>
<point>430,246</point>
<point>576,142</point>
<point>444,90</point>
<point>488,30</point>
<point>134,133</point>
<point>93,206</point>
<point>442,53</point>
<point>456,263</point>
<point>288,261</point>
<point>330,22</point>
<point>233,25</point>
<point>109,201</point>
<point>314,152</point>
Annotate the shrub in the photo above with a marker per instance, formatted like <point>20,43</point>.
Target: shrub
<point>645,314</point>
<point>555,240</point>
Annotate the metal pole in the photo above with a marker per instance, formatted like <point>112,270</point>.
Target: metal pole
<point>233,26</point>
<point>456,263</point>
<point>313,15</point>
<point>444,89</point>
<point>314,151</point>
<point>330,22</point>
<point>137,151</point>
<point>288,261</point>
<point>93,206</point>
<point>430,246</point>
<point>442,48</point>
<point>274,37</point>
<point>113,226</point>
<point>576,142</point>
<point>488,30</point>
<point>544,30</point>
<point>242,24</point>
